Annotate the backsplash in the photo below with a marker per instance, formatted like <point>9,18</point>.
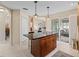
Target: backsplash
<point>39,24</point>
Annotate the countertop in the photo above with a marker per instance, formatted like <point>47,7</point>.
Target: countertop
<point>38,35</point>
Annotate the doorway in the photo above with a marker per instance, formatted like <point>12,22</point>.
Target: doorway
<point>61,28</point>
<point>5,22</point>
<point>64,30</point>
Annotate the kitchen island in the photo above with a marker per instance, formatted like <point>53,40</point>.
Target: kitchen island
<point>42,43</point>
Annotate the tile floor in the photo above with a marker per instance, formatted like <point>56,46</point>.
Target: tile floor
<point>9,51</point>
<point>65,47</point>
<point>64,39</point>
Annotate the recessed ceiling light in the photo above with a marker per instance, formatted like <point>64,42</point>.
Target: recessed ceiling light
<point>72,4</point>
<point>25,8</point>
<point>1,9</point>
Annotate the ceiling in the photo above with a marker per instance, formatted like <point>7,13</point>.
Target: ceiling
<point>55,6</point>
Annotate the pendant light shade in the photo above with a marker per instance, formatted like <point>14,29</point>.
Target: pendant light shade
<point>35,9</point>
<point>48,11</point>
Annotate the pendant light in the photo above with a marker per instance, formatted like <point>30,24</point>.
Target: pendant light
<point>48,11</point>
<point>35,9</point>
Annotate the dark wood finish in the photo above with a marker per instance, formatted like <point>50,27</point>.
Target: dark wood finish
<point>43,46</point>
<point>35,47</point>
<point>78,20</point>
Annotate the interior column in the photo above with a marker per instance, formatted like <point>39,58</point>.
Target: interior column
<point>78,21</point>
<point>15,15</point>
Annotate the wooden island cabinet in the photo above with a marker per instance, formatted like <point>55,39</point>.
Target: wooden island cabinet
<point>43,45</point>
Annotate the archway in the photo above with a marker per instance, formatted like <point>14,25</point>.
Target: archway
<point>5,21</point>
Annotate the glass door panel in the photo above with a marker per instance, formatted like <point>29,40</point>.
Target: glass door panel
<point>64,30</point>
<point>55,26</point>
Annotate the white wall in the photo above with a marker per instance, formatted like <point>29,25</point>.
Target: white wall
<point>24,29</point>
<point>48,25</point>
<point>2,27</point>
<point>72,27</point>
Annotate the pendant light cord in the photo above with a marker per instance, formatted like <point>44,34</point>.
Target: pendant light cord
<point>35,7</point>
<point>48,11</point>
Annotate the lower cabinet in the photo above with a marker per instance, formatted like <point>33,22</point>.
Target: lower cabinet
<point>43,46</point>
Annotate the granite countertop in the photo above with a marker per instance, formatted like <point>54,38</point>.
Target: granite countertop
<point>38,35</point>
